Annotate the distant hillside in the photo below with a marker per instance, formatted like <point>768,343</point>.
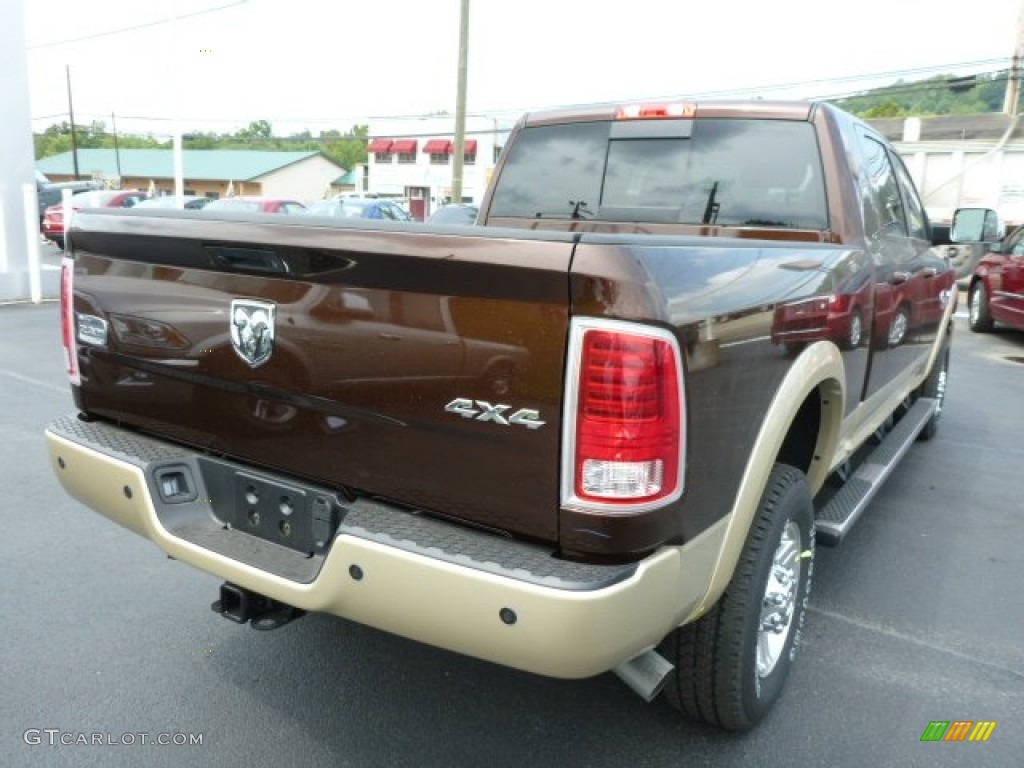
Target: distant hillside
<point>939,95</point>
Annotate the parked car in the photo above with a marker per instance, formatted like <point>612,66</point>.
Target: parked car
<point>996,290</point>
<point>188,202</point>
<point>49,193</point>
<point>53,218</point>
<point>359,208</point>
<point>256,205</point>
<point>455,213</point>
<point>910,295</point>
<point>841,313</point>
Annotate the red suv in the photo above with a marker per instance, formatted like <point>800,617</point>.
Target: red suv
<point>53,217</point>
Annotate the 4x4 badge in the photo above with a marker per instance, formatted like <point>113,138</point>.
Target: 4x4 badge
<point>484,411</point>
<point>252,330</point>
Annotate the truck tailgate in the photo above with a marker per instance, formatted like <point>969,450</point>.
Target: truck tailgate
<point>423,367</point>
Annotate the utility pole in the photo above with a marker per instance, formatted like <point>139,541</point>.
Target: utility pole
<point>460,104</point>
<point>117,150</point>
<point>176,140</point>
<point>71,114</point>
<point>1014,76</point>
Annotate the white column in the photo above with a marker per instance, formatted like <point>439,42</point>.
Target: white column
<point>16,152</point>
<point>30,207</point>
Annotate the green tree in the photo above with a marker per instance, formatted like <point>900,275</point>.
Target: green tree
<point>56,139</point>
<point>346,150</point>
<point>258,129</point>
<point>887,108</point>
<point>939,95</point>
<point>200,140</point>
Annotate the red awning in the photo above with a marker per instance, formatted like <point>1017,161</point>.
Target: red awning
<point>404,147</point>
<point>379,145</point>
<point>470,147</point>
<point>437,147</point>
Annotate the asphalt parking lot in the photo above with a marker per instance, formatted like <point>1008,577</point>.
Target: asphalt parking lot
<point>917,617</point>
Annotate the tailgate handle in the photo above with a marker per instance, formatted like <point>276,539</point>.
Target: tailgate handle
<point>251,259</point>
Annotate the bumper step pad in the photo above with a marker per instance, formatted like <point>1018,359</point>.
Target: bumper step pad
<point>202,519</point>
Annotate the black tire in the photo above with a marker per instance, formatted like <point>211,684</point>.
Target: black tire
<point>794,348</point>
<point>716,677</point>
<point>980,314</point>
<point>935,386</point>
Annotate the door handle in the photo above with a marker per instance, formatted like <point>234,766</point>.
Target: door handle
<point>899,277</point>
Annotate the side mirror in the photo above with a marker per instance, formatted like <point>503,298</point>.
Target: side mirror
<point>975,225</point>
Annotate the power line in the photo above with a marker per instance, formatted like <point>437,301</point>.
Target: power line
<point>920,86</point>
<point>748,90</point>
<point>894,89</point>
<point>134,28</point>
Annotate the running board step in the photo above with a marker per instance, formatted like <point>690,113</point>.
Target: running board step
<point>836,518</point>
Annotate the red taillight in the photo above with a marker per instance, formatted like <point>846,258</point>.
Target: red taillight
<point>627,436</point>
<point>67,319</point>
<point>647,111</point>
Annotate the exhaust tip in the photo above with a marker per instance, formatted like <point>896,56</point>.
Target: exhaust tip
<point>646,674</point>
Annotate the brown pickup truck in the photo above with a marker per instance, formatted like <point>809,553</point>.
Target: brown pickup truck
<point>603,429</point>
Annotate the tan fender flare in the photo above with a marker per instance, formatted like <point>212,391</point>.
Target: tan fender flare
<point>945,329</point>
<point>819,367</point>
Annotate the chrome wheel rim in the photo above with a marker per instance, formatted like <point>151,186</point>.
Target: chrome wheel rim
<point>899,328</point>
<point>856,327</point>
<point>973,306</point>
<point>778,606</point>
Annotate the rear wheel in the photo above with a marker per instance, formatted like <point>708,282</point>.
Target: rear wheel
<point>977,304</point>
<point>731,664</point>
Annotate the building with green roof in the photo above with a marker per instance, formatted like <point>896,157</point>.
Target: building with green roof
<point>208,172</point>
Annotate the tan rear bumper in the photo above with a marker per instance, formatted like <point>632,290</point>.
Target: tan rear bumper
<point>567,633</point>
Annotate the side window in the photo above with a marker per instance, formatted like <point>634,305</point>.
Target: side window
<point>917,221</point>
<point>883,209</point>
<point>1015,243</point>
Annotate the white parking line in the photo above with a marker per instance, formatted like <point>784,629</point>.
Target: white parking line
<point>895,634</point>
<point>34,382</point>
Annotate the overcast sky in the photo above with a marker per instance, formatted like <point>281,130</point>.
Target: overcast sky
<point>331,63</point>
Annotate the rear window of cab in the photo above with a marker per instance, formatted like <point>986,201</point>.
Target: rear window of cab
<point>729,172</point>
